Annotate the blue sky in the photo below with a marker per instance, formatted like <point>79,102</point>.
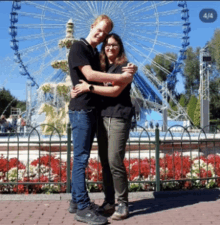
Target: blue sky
<point>199,35</point>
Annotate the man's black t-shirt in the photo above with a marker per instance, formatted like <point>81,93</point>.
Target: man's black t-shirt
<point>121,106</point>
<point>81,54</point>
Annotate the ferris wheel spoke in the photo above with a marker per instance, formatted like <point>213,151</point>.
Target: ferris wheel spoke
<point>163,3</point>
<point>157,42</point>
<point>162,24</point>
<point>58,5</point>
<point>37,26</point>
<point>40,72</point>
<point>170,12</point>
<point>38,46</point>
<point>142,32</point>
<point>153,6</point>
<point>35,15</point>
<point>166,45</point>
<point>42,7</point>
<point>165,13</point>
<point>170,35</point>
<point>77,7</point>
<point>170,59</point>
<point>38,36</point>
<point>160,67</point>
<point>40,57</point>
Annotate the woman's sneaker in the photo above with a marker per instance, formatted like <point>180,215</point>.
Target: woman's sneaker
<point>72,207</point>
<point>106,208</point>
<point>122,212</point>
<point>90,215</point>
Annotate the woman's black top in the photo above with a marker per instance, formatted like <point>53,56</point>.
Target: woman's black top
<point>120,106</point>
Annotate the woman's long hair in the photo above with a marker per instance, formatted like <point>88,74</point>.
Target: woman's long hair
<point>120,59</point>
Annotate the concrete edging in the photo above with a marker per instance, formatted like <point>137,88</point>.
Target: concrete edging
<point>100,195</point>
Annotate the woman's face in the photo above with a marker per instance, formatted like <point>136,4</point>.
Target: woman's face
<point>112,49</point>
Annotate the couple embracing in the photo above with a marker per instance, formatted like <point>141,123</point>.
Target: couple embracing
<point>100,105</point>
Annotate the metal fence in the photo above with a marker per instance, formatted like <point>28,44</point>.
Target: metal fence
<point>180,158</point>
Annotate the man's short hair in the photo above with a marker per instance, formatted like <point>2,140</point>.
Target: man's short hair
<point>103,17</point>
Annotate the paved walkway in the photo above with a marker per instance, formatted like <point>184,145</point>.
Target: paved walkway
<point>179,208</point>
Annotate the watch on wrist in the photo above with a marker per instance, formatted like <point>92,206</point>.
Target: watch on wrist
<point>91,88</point>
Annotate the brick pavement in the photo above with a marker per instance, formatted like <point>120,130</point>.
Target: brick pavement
<point>195,207</point>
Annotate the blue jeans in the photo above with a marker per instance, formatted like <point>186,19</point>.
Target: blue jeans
<point>83,129</point>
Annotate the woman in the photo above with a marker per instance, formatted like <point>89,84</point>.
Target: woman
<point>113,126</point>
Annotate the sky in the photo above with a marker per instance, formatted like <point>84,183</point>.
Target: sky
<point>200,33</point>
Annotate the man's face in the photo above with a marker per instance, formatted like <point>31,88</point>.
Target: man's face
<point>99,32</point>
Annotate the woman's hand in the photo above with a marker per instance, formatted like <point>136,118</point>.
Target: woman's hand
<point>130,68</point>
<point>79,88</point>
<point>73,93</point>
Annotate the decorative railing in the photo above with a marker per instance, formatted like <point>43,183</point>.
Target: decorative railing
<point>181,158</point>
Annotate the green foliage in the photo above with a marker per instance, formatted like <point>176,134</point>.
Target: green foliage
<point>214,48</point>
<point>54,120</point>
<point>172,105</point>
<point>164,60</point>
<point>183,100</point>
<point>214,98</point>
<point>191,107</point>
<point>46,88</point>
<point>21,105</point>
<point>63,90</point>
<point>5,99</point>
<point>49,189</point>
<point>197,114</point>
<point>191,72</point>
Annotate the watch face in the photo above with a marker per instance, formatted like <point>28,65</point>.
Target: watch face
<point>91,88</point>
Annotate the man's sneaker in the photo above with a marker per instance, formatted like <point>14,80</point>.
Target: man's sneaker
<point>90,215</point>
<point>122,212</point>
<point>106,208</point>
<point>72,207</point>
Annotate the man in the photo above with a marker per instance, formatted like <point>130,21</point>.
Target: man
<point>84,64</point>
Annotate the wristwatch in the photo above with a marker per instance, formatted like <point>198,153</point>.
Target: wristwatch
<point>91,88</point>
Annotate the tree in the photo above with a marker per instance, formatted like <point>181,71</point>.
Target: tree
<point>183,100</point>
<point>5,99</point>
<point>166,61</point>
<point>21,105</point>
<point>191,107</point>
<point>197,114</point>
<point>214,98</point>
<point>191,72</point>
<point>214,48</point>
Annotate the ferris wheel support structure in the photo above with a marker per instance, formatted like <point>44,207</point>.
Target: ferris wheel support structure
<point>142,32</point>
<point>205,64</point>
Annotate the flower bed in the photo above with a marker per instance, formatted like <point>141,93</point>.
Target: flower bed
<point>52,169</point>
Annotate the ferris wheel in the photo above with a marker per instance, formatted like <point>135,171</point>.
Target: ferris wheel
<point>147,28</point>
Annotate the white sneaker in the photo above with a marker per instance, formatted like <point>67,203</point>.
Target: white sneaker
<point>122,212</point>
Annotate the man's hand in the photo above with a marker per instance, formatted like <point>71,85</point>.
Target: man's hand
<point>130,68</point>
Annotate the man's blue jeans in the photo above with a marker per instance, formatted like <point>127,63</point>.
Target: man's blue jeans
<point>83,129</point>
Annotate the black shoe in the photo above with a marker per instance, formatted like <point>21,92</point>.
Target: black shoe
<point>90,215</point>
<point>122,212</point>
<point>72,207</point>
<point>106,208</point>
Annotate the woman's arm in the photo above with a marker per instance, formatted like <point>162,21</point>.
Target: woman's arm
<point>126,77</point>
<point>110,91</point>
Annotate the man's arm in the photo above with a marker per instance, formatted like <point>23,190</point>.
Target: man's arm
<point>92,75</point>
<point>110,91</point>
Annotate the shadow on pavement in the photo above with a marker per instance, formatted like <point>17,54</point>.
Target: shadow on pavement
<point>170,200</point>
